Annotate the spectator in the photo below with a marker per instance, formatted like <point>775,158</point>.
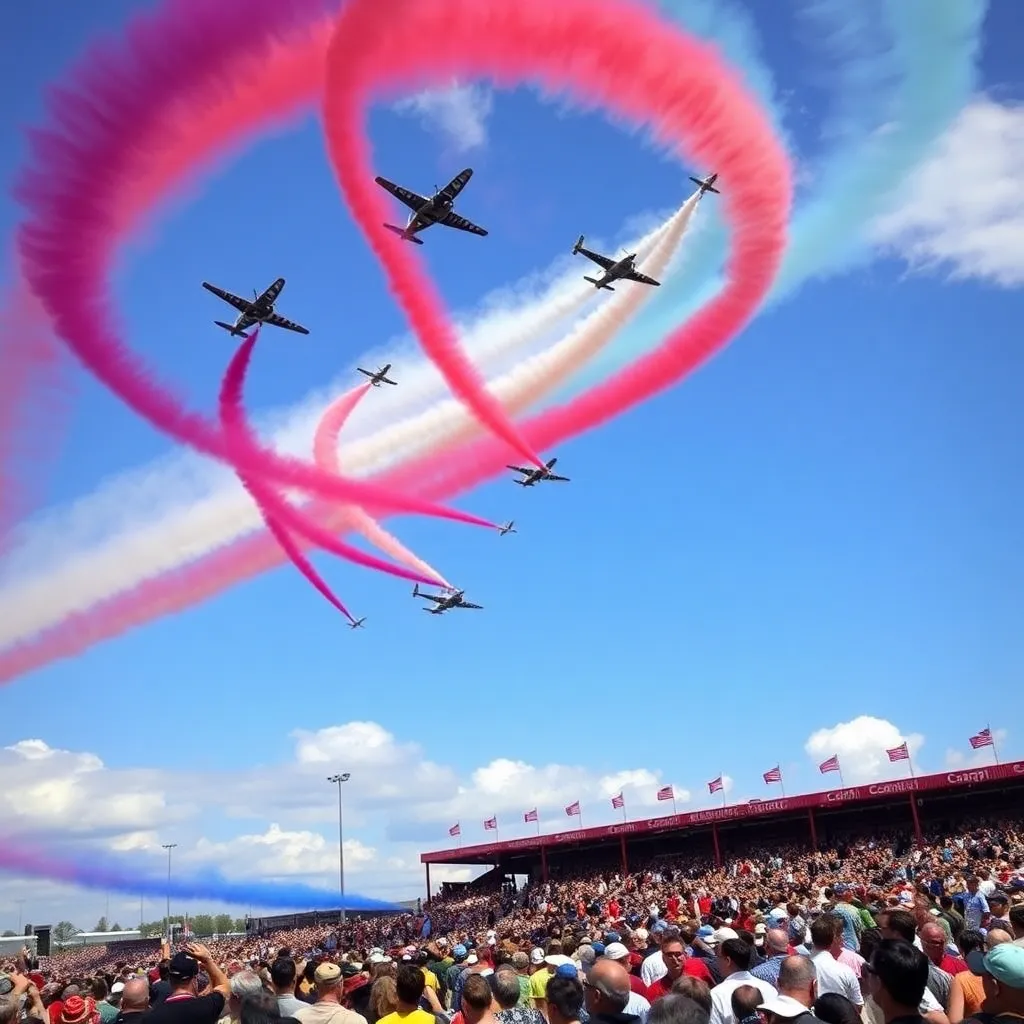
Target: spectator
<point>676,964</point>
<point>696,990</point>
<point>795,997</point>
<point>833,1008</point>
<point>244,985</point>
<point>329,1008</point>
<point>476,1001</point>
<point>1002,973</point>
<point>134,1001</point>
<point>282,977</point>
<point>776,949</point>
<point>898,978</point>
<point>831,975</point>
<point>607,992</point>
<point>507,994</point>
<point>744,1002</point>
<point>564,1000</point>
<point>678,1009</point>
<point>184,1005</point>
<point>409,988</point>
<point>734,956</point>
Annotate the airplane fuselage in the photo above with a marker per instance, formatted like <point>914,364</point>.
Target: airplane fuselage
<point>618,270</point>
<point>431,212</point>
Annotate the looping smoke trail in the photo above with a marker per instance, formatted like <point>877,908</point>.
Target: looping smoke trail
<point>325,455</point>
<point>239,438</point>
<point>73,228</point>
<point>681,76</point>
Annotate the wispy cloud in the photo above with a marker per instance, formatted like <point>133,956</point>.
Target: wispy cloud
<point>459,112</point>
<point>962,213</point>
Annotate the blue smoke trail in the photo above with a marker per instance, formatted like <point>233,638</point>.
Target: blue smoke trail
<point>115,877</point>
<point>936,44</point>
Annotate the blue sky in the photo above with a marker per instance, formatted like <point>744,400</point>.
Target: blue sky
<point>821,524</point>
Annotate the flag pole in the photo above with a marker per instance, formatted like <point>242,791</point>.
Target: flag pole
<point>623,811</point>
<point>673,801</point>
<point>721,775</point>
<point>910,761</point>
<point>842,785</point>
<point>995,753</point>
<point>538,824</point>
<point>782,785</point>
<point>580,817</point>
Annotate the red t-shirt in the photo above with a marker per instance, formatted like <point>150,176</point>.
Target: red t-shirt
<point>692,967</point>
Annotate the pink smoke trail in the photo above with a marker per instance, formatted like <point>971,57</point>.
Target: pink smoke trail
<point>325,455</point>
<point>240,438</point>
<point>234,427</point>
<point>730,133</point>
<point>90,151</point>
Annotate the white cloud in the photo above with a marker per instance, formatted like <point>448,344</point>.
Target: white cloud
<point>460,112</point>
<point>393,811</point>
<point>861,745</point>
<point>969,758</point>
<point>963,210</point>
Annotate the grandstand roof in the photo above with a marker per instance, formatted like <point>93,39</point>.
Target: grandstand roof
<point>848,798</point>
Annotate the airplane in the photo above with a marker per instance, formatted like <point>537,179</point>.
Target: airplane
<point>444,602</point>
<point>614,270</point>
<point>535,475</point>
<point>358,624</point>
<point>509,527</point>
<point>258,310</point>
<point>380,377</point>
<point>435,210</point>
<point>707,184</point>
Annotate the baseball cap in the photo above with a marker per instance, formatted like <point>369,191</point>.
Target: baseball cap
<point>183,967</point>
<point>118,986</point>
<point>615,951</point>
<point>783,1006</point>
<point>721,934</point>
<point>1005,963</point>
<point>326,973</point>
<point>459,952</point>
<point>567,970</point>
<point>536,955</point>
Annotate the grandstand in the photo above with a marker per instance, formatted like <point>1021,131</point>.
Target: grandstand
<point>908,805</point>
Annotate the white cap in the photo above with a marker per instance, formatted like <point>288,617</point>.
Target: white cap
<point>557,959</point>
<point>472,959</point>
<point>721,934</point>
<point>615,951</point>
<point>783,1006</point>
<point>118,986</point>
<point>536,955</point>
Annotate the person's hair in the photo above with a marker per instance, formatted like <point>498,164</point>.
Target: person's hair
<point>695,989</point>
<point>505,985</point>
<point>387,969</point>
<point>383,996</point>
<point>554,948</point>
<point>832,1008</point>
<point>823,931</point>
<point>282,973</point>
<point>969,940</point>
<point>246,985</point>
<point>409,983</point>
<point>902,970</point>
<point>566,995</point>
<point>738,952</point>
<point>477,992</point>
<point>10,1010</point>
<point>745,1000</point>
<point>676,1008</point>
<point>520,960</point>
<point>98,989</point>
<point>902,923</point>
<point>796,973</point>
<point>1017,915</point>
<point>869,940</point>
<point>259,1009</point>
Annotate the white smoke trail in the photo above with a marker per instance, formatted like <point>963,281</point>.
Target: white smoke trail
<point>217,510</point>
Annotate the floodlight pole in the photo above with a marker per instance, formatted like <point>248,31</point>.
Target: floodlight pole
<point>339,780</point>
<point>168,847</point>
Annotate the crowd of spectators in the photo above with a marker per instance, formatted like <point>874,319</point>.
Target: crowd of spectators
<point>879,930</point>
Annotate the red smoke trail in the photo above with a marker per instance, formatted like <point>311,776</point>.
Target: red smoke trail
<point>91,151</point>
<point>615,54</point>
<point>233,423</point>
<point>239,438</point>
<point>729,133</point>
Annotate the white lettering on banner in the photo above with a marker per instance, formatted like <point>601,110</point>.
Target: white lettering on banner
<point>900,786</point>
<point>839,795</point>
<point>966,778</point>
<point>1018,767</point>
<point>617,829</point>
<point>769,806</point>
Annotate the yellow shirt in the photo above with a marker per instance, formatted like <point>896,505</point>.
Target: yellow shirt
<point>430,978</point>
<point>413,1017</point>
<point>539,983</point>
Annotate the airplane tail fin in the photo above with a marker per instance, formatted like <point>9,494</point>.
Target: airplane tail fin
<point>594,281</point>
<point>231,329</point>
<point>579,245</point>
<point>704,186</point>
<point>416,590</point>
<point>402,233</point>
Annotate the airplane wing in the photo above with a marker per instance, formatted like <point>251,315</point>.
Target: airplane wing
<point>288,325</point>
<point>642,278</point>
<point>271,294</point>
<point>239,303</point>
<point>520,469</point>
<point>551,476</point>
<point>407,196</point>
<point>388,380</point>
<point>466,604</point>
<point>458,183</point>
<point>596,257</point>
<point>453,220</point>
<point>431,597</point>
